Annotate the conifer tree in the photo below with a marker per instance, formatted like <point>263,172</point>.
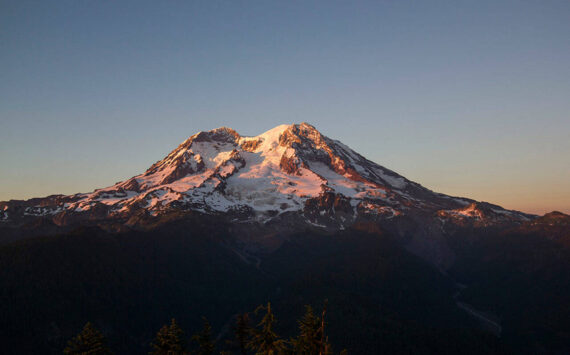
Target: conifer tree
<point>264,340</point>
<point>324,345</point>
<point>311,339</point>
<point>204,339</point>
<point>169,340</point>
<point>308,342</point>
<point>242,331</point>
<point>89,342</point>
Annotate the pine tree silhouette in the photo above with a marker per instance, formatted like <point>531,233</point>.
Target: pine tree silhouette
<point>308,342</point>
<point>204,339</point>
<point>242,331</point>
<point>311,339</point>
<point>89,342</point>
<point>325,347</point>
<point>264,340</point>
<point>169,340</point>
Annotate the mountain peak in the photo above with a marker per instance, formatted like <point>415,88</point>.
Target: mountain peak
<point>290,177</point>
<point>291,168</point>
<point>221,134</point>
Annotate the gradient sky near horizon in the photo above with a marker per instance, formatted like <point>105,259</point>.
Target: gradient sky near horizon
<point>468,98</point>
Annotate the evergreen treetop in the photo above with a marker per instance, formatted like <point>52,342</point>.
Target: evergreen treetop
<point>169,340</point>
<point>264,340</point>
<point>204,339</point>
<point>89,341</point>
<point>242,330</point>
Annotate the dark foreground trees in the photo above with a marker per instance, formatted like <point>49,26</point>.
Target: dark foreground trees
<point>260,339</point>
<point>242,331</point>
<point>204,339</point>
<point>89,342</point>
<point>169,340</point>
<point>311,338</point>
<point>263,338</point>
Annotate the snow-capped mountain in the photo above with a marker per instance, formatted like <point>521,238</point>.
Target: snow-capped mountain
<point>264,176</point>
<point>289,215</point>
<point>290,171</point>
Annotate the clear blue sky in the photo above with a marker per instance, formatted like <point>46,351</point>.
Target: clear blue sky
<point>467,98</point>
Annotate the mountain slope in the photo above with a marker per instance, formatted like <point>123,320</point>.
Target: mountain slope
<point>381,298</point>
<point>522,275</point>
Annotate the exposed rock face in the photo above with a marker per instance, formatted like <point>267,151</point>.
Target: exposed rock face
<point>482,214</point>
<point>288,176</point>
<point>329,208</point>
<point>251,145</point>
<point>290,164</point>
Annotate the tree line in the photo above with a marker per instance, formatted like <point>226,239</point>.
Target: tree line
<point>248,337</point>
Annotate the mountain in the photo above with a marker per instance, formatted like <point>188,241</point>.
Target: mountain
<point>285,178</point>
<point>224,223</point>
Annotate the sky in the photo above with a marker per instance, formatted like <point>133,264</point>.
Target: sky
<point>468,98</point>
